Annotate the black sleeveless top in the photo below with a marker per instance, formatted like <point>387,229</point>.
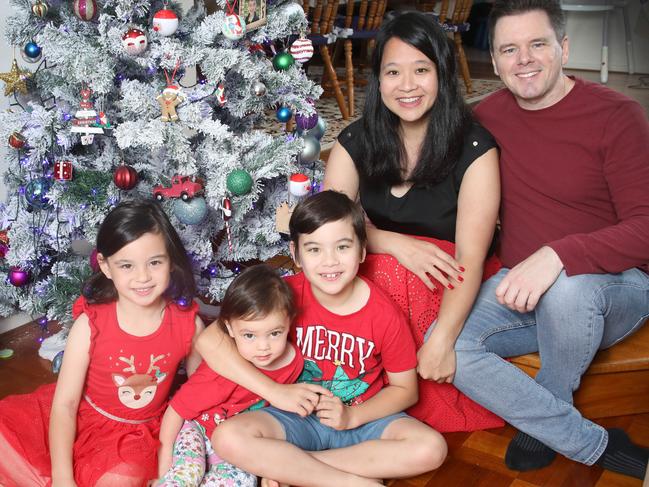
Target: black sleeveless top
<point>422,211</point>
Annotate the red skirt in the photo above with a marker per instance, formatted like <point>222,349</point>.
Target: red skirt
<point>441,406</point>
<point>117,453</point>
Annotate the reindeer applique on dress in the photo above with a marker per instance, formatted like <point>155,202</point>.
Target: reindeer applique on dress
<point>138,390</point>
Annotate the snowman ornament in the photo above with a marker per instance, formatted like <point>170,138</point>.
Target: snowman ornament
<point>165,22</point>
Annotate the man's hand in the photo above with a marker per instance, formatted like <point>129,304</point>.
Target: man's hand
<point>436,359</point>
<point>525,283</point>
<point>297,398</point>
<point>333,413</point>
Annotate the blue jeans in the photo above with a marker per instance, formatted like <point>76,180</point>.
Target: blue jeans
<point>575,318</point>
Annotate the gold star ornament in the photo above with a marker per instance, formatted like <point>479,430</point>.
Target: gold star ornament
<point>16,79</point>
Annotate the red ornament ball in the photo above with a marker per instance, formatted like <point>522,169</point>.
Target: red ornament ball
<point>17,140</point>
<point>135,41</point>
<point>85,9</point>
<point>18,277</point>
<point>125,177</point>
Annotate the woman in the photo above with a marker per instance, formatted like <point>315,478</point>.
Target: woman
<point>423,168</point>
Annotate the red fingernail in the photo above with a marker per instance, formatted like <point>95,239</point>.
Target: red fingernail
<point>461,269</point>
<point>460,278</point>
<point>451,286</point>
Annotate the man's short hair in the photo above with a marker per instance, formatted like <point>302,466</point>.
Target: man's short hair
<point>504,8</point>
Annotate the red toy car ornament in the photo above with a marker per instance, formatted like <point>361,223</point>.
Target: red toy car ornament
<point>181,187</point>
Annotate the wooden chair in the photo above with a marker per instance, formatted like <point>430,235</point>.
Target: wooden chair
<point>321,20</point>
<point>452,16</point>
<point>361,22</point>
<point>617,381</point>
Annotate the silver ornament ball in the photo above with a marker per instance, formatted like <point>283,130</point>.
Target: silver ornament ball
<point>311,150</point>
<point>319,130</point>
<point>259,88</point>
<point>190,212</point>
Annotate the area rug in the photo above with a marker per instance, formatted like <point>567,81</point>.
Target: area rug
<point>328,109</point>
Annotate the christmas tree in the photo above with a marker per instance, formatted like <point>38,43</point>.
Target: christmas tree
<point>122,99</point>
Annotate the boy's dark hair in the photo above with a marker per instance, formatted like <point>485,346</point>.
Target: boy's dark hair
<point>449,119</point>
<point>326,207</point>
<point>126,223</point>
<point>254,294</point>
<point>504,8</point>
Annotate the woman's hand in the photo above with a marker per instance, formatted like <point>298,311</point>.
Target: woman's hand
<point>425,259</point>
<point>436,359</point>
<point>297,398</point>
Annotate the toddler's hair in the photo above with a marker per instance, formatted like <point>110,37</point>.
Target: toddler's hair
<point>254,294</point>
<point>124,224</point>
<point>326,207</point>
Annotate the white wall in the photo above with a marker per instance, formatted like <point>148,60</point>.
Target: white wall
<point>585,34</point>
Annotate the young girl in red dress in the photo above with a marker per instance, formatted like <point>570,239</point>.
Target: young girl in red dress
<point>123,349</point>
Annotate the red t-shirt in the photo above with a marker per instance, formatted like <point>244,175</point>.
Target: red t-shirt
<point>210,398</point>
<point>130,376</point>
<point>348,354</point>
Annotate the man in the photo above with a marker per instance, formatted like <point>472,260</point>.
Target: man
<point>574,243</point>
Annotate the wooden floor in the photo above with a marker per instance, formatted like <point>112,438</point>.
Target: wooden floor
<point>475,459</point>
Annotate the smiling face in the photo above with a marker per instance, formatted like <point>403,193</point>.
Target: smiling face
<point>407,81</point>
<point>140,271</point>
<point>329,258</point>
<point>529,58</point>
<point>262,341</point>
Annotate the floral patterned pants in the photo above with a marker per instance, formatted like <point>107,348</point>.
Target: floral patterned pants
<point>195,463</point>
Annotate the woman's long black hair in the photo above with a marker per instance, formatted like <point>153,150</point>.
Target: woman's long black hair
<point>448,120</point>
<point>126,223</point>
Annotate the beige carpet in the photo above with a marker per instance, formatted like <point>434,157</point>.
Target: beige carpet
<point>328,109</point>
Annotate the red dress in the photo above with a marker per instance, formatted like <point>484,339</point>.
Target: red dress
<point>125,394</point>
<point>441,406</point>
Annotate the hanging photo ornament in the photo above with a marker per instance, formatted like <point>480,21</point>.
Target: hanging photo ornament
<point>85,9</point>
<point>135,41</point>
<point>17,140</point>
<point>239,182</point>
<point>63,170</point>
<point>32,52</point>
<point>302,50</point>
<point>39,9</point>
<point>234,27</point>
<point>165,22</point>
<point>259,88</point>
<point>283,61</point>
<point>18,277</point>
<point>125,177</point>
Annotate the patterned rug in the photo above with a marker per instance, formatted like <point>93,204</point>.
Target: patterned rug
<point>328,109</point>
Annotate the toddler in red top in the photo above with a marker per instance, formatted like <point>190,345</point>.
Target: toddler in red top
<point>346,425</point>
<point>122,353</point>
<point>256,311</point>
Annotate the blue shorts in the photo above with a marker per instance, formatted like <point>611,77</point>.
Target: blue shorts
<point>311,435</point>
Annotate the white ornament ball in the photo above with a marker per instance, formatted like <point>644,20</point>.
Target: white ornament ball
<point>135,41</point>
<point>234,27</point>
<point>292,8</point>
<point>302,50</point>
<point>299,185</point>
<point>165,22</point>
<point>259,88</point>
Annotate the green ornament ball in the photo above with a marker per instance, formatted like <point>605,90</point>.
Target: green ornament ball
<point>239,182</point>
<point>283,61</point>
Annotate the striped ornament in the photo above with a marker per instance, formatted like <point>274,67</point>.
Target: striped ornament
<point>302,50</point>
<point>85,9</point>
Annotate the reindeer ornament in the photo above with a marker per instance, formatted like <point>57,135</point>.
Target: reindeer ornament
<point>138,390</point>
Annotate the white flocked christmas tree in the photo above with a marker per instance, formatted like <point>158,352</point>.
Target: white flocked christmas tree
<point>96,82</point>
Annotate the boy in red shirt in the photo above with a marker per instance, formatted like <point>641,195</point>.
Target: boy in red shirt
<point>357,349</point>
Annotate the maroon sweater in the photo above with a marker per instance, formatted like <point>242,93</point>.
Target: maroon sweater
<point>575,176</point>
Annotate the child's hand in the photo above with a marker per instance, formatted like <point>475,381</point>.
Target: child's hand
<point>298,398</point>
<point>333,413</point>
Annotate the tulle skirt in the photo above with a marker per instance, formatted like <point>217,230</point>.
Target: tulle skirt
<point>106,452</point>
<point>441,406</point>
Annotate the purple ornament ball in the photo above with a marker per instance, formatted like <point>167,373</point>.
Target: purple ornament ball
<point>306,122</point>
<point>18,277</point>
